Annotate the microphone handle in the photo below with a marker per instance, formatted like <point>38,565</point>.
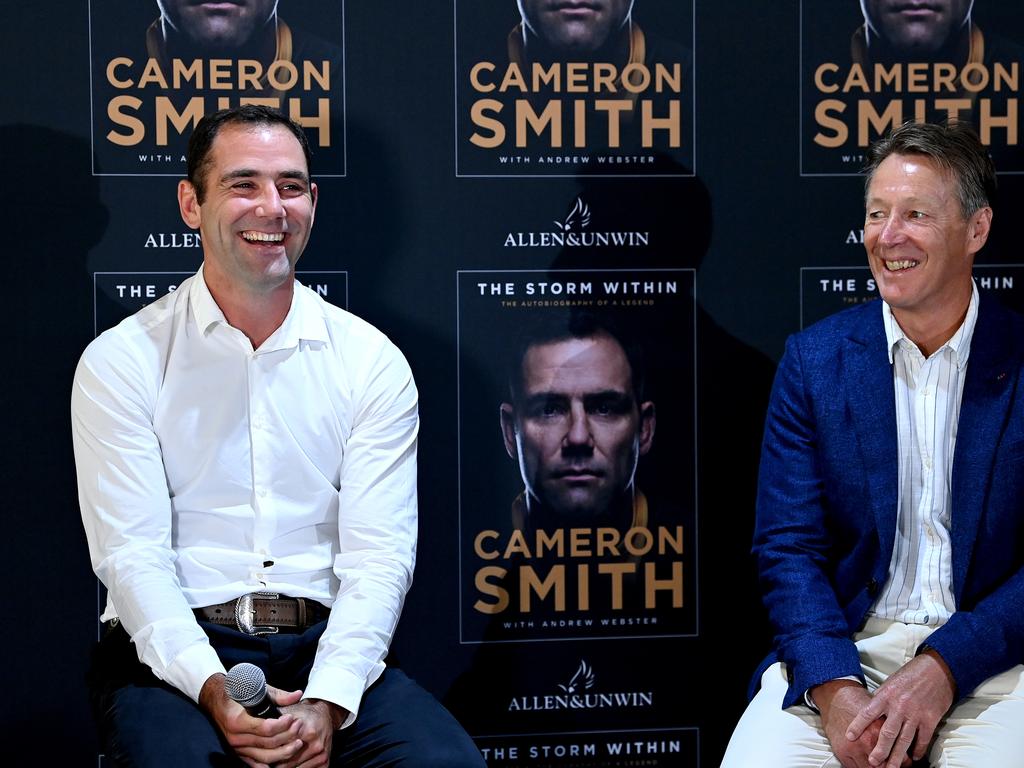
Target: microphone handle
<point>265,708</point>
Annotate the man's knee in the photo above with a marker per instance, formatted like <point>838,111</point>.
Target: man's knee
<point>768,736</point>
<point>153,727</point>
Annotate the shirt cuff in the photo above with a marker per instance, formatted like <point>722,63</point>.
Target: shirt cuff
<point>341,687</point>
<point>192,668</point>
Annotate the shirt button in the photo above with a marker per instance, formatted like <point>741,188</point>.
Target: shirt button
<point>261,492</point>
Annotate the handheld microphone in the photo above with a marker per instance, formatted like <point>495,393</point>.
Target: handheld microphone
<point>246,684</point>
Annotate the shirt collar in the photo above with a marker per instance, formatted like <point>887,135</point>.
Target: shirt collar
<point>204,308</point>
<point>959,343</point>
<point>304,321</point>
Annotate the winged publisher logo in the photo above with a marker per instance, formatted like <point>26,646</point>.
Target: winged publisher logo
<point>578,218</point>
<point>583,680</point>
<point>574,231</point>
<point>577,694</point>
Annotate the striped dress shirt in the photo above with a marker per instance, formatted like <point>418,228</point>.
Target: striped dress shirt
<point>928,394</point>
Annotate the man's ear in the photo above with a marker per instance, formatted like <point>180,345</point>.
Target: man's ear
<point>647,424</point>
<point>508,429</point>
<point>978,227</point>
<point>188,204</point>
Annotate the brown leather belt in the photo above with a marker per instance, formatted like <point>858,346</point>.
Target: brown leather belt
<point>265,613</point>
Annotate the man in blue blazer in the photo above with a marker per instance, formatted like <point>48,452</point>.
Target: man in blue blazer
<point>890,517</point>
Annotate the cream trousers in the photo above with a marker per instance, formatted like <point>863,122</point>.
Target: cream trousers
<point>985,730</point>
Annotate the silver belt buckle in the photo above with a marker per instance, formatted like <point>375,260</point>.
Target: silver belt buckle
<point>245,613</point>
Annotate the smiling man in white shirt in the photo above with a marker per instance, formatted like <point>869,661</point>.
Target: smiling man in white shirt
<point>246,458</point>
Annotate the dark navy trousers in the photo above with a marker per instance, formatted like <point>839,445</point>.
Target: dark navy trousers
<point>145,723</point>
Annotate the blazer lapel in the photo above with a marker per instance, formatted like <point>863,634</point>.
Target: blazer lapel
<point>867,379</point>
<point>983,412</point>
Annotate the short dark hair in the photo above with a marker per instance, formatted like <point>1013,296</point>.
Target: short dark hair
<point>201,141</point>
<point>550,328</point>
<point>954,146</point>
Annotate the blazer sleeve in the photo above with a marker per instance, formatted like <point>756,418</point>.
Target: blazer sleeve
<point>985,641</point>
<point>792,540</point>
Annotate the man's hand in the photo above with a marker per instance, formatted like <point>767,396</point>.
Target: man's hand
<point>840,701</point>
<point>912,701</point>
<point>318,721</point>
<point>258,742</point>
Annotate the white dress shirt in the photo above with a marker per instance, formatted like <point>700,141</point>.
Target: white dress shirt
<point>928,394</point>
<point>208,470</point>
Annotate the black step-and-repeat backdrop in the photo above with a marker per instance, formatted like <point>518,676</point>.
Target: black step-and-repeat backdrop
<point>490,170</point>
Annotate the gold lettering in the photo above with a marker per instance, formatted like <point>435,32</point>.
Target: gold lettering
<point>673,584</point>
<point>274,75</point>
<point>220,74</point>
<point>479,113</point>
<point>529,582</point>
<point>474,77</point>
<point>322,76</point>
<point>151,74</point>
<point>321,120</point>
<point>636,78</point>
<point>249,74</point>
<point>989,121</point>
<point>866,115</point>
<point>550,116</point>
<point>181,74</point>
<point>165,112</point>
<point>650,123</point>
<point>819,78</point>
<point>492,590</point>
<point>112,67</point>
<point>480,541</point>
<point>137,128</point>
<point>579,542</point>
<point>616,571</point>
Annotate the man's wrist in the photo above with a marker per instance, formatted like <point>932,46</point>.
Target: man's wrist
<point>336,714</point>
<point>819,697</point>
<point>927,650</point>
<point>211,692</point>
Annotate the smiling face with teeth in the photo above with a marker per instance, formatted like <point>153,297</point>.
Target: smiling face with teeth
<point>257,210</point>
<point>920,247</point>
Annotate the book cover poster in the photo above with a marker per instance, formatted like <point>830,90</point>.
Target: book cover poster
<point>601,88</point>
<point>577,477</point>
<point>157,68</point>
<point>867,66</point>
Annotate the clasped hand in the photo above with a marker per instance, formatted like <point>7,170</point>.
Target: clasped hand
<point>893,726</point>
<point>299,738</point>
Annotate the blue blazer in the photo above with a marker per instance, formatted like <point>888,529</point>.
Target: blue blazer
<point>827,494</point>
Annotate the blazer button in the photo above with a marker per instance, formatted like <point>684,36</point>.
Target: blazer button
<point>872,588</point>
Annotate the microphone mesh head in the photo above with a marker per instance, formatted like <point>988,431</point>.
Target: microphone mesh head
<point>246,684</point>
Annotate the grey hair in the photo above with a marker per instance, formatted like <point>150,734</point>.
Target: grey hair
<point>954,147</point>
